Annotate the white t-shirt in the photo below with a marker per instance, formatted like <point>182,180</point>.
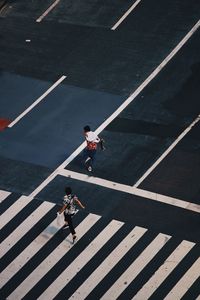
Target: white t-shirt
<point>92,137</point>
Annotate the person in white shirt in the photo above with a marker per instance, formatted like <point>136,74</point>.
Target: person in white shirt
<point>92,140</point>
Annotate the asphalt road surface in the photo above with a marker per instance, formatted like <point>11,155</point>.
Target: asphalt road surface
<point>130,70</point>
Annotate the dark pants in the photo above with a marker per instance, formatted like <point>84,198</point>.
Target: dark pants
<point>91,154</point>
<point>68,219</point>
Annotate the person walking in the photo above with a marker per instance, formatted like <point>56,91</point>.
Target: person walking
<point>92,140</point>
<point>69,208</point>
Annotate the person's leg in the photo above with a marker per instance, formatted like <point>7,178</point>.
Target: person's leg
<point>66,222</point>
<point>87,157</point>
<point>91,161</point>
<point>71,227</point>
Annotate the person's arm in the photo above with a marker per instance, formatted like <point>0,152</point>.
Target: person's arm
<point>97,140</point>
<point>79,203</point>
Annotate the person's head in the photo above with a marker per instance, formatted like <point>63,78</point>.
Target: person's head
<point>68,190</point>
<point>86,128</point>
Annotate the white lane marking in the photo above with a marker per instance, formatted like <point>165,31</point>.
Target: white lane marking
<point>13,210</point>
<point>163,272</point>
<point>81,260</point>
<point>25,226</point>
<point>179,138</point>
<point>44,184</point>
<point>25,112</point>
<point>107,265</point>
<point>120,108</point>
<point>183,285</point>
<point>135,94</point>
<point>3,195</point>
<point>28,252</point>
<point>125,15</point>
<point>48,263</point>
<point>136,267</point>
<point>47,11</point>
<point>131,190</point>
<point>167,200</point>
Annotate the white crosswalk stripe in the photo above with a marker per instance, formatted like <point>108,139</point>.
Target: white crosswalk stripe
<point>25,226</point>
<point>28,252</point>
<point>161,274</point>
<point>13,210</point>
<point>81,260</point>
<point>185,282</point>
<point>114,257</point>
<point>93,247</point>
<point>52,259</point>
<point>133,270</point>
<point>3,195</point>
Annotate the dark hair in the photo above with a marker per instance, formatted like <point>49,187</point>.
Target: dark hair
<point>68,190</point>
<point>87,128</point>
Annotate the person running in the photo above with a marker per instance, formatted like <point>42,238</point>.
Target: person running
<point>69,207</point>
<point>92,140</point>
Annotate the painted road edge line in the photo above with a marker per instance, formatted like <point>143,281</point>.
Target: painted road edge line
<point>171,147</point>
<point>134,95</point>
<point>3,195</point>
<point>47,11</point>
<point>37,101</point>
<point>119,110</point>
<point>131,190</point>
<point>125,15</point>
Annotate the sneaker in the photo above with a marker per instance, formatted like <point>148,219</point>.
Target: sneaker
<point>87,159</point>
<point>90,169</point>
<point>65,226</point>
<point>74,238</point>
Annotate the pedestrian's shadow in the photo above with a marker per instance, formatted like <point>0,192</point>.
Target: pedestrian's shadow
<point>51,230</point>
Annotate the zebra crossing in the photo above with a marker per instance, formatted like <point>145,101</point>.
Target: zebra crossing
<point>110,260</point>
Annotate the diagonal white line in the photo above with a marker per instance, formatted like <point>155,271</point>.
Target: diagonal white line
<point>25,112</point>
<point>120,109</point>
<point>25,226</point>
<point>3,195</point>
<point>135,94</point>
<point>14,209</point>
<point>107,265</point>
<point>136,267</point>
<point>47,11</point>
<point>185,282</point>
<point>48,263</point>
<point>28,252</point>
<point>179,138</point>
<point>125,15</point>
<point>81,260</point>
<point>163,272</point>
<point>131,190</point>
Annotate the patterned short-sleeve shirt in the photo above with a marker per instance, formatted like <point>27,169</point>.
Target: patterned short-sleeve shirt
<point>70,201</point>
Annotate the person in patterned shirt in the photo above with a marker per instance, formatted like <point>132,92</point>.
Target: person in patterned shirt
<point>69,207</point>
